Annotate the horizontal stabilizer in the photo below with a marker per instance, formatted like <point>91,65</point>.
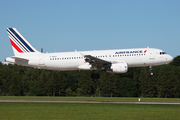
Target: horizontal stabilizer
<point>19,58</point>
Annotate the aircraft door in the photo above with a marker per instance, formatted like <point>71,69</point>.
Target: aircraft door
<point>151,55</point>
<point>41,60</point>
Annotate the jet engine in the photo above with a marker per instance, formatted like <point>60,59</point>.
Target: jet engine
<point>119,68</point>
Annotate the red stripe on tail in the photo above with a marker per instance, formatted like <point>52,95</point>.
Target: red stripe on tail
<point>15,46</point>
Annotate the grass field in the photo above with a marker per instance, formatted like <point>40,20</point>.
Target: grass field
<point>91,99</point>
<point>85,111</point>
<point>78,111</point>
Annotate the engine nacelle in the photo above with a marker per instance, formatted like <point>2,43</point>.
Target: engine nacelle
<point>85,66</point>
<point>119,68</point>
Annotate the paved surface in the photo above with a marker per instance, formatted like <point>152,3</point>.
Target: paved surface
<point>116,102</point>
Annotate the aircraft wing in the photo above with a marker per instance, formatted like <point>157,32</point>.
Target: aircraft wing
<point>96,61</point>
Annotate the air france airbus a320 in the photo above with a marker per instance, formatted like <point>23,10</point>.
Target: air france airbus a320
<point>115,61</point>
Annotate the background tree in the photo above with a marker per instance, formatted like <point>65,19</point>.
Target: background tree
<point>33,81</point>
<point>147,83</point>
<point>52,83</point>
<point>108,84</point>
<point>85,83</point>
<point>71,80</point>
<point>176,61</point>
<point>127,88</point>
<point>15,87</point>
<point>176,73</point>
<point>19,80</point>
<point>62,84</point>
<point>166,81</point>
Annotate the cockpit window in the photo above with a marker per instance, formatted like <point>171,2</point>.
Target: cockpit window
<point>162,53</point>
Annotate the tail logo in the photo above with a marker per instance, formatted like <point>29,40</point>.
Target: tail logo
<point>18,41</point>
<point>15,46</point>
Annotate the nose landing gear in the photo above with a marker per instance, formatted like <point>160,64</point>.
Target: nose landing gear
<point>150,69</point>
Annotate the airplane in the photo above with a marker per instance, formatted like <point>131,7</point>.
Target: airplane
<point>113,61</point>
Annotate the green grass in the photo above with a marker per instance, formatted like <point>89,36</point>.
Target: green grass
<point>91,99</point>
<point>81,111</point>
<point>77,111</point>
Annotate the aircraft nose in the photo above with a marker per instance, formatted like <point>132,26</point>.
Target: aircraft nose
<point>169,58</point>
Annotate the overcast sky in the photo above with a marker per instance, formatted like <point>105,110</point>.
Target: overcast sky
<point>66,25</point>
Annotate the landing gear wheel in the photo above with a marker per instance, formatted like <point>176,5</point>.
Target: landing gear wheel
<point>95,76</point>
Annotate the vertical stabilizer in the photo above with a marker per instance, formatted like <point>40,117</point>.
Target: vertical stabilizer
<point>19,44</point>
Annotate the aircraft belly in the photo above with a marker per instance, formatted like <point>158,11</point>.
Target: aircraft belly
<point>63,65</point>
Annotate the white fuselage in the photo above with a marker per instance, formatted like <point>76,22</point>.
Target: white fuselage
<point>115,61</point>
<point>72,60</point>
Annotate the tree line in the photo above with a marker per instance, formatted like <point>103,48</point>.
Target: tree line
<point>137,82</point>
